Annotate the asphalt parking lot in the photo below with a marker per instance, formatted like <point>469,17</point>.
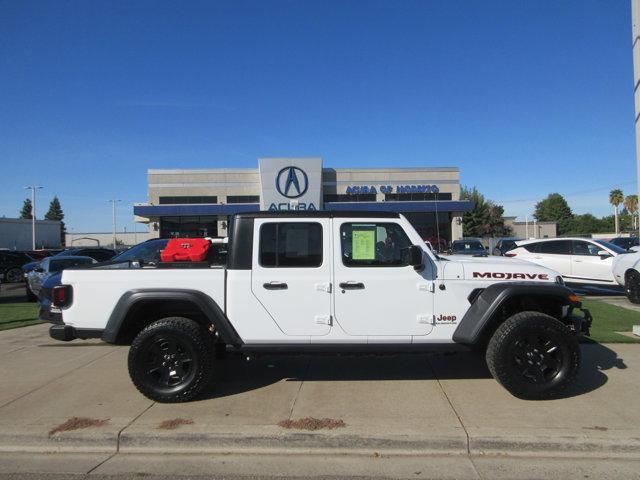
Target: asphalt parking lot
<point>436,406</point>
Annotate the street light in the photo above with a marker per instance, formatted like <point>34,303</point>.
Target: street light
<point>113,205</point>
<point>635,45</point>
<point>33,189</point>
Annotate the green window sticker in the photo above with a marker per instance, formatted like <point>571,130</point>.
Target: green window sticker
<point>364,244</point>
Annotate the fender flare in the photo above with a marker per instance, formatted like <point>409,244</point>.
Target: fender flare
<point>479,314</point>
<point>202,301</point>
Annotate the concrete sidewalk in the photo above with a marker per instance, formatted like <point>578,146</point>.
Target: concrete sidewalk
<point>440,404</point>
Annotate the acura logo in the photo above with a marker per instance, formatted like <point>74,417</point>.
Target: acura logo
<point>292,182</point>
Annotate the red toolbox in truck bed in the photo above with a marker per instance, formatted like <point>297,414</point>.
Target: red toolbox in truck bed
<point>186,250</point>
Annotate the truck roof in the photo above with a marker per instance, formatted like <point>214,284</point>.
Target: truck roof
<point>317,214</point>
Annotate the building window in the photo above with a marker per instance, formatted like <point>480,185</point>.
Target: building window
<point>243,199</point>
<point>416,197</point>
<point>184,200</point>
<point>343,197</point>
<point>291,244</point>
<point>188,227</point>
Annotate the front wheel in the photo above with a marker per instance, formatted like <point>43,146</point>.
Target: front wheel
<point>171,360</point>
<point>632,286</point>
<point>13,275</point>
<point>534,356</point>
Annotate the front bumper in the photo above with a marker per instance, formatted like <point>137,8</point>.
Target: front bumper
<point>581,321</point>
<point>66,333</point>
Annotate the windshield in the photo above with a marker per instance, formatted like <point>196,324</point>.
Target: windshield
<point>147,251</point>
<point>462,246</point>
<point>612,247</point>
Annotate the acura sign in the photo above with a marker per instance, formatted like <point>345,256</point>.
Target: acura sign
<point>291,183</point>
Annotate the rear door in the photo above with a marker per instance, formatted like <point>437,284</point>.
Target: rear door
<point>554,254</point>
<point>291,276</point>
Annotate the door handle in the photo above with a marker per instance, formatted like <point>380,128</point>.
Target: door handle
<point>275,286</point>
<point>351,285</point>
<point>578,261</point>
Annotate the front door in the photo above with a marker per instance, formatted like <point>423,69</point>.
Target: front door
<point>291,275</point>
<point>587,266</point>
<point>376,292</point>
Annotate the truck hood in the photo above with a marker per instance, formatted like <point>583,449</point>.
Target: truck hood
<point>495,269</point>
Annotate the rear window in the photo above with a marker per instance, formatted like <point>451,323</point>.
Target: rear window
<point>294,244</point>
<point>462,246</point>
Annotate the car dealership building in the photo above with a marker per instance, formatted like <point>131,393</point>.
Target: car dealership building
<point>193,203</point>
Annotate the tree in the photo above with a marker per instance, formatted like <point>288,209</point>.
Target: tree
<point>486,218</point>
<point>27,209</point>
<point>55,213</point>
<point>631,206</point>
<point>554,208</point>
<point>616,197</point>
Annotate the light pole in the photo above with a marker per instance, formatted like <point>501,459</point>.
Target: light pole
<point>635,32</point>
<point>33,189</point>
<point>113,205</point>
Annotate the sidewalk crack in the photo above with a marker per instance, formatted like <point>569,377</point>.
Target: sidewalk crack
<point>129,424</point>
<point>304,376</point>
<point>435,374</point>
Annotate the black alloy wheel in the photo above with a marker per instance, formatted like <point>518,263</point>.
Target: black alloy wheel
<point>534,356</point>
<point>632,286</point>
<point>171,360</point>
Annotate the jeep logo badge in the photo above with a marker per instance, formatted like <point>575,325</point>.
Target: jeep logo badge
<point>292,182</point>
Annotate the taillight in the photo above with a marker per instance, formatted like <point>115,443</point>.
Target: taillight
<point>62,296</point>
<point>510,254</point>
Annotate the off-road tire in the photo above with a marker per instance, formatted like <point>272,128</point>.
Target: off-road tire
<point>632,286</point>
<point>183,338</point>
<point>512,360</point>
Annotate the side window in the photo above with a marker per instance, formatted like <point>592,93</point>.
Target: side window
<point>585,248</point>
<point>556,247</point>
<point>373,245</point>
<point>532,247</point>
<point>290,245</point>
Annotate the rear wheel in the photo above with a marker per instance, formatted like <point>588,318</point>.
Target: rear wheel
<point>171,360</point>
<point>534,356</point>
<point>632,286</point>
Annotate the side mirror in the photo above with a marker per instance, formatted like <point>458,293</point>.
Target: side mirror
<point>415,257</point>
<point>603,254</point>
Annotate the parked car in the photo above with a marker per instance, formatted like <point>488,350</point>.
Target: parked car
<point>467,247</point>
<point>320,282</point>
<point>626,271</point>
<point>145,253</point>
<point>48,266</point>
<point>628,243</point>
<point>11,263</point>
<point>504,245</point>
<point>99,254</point>
<point>578,260</point>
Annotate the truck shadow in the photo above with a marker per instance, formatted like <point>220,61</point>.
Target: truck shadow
<point>235,375</point>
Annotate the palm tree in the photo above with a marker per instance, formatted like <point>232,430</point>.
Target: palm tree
<point>616,197</point>
<point>631,204</point>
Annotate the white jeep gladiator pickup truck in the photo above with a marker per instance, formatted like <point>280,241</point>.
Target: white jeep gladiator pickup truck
<point>319,282</point>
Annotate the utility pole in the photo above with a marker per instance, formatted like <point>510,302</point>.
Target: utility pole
<point>635,32</point>
<point>113,206</point>
<point>33,189</point>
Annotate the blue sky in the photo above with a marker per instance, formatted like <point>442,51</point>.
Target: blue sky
<point>525,97</point>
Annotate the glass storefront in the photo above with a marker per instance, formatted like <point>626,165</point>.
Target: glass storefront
<point>188,227</point>
<point>438,233</point>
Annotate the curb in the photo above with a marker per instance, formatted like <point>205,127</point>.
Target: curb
<point>269,440</point>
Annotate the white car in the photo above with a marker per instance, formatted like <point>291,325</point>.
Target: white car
<point>626,270</point>
<point>578,260</point>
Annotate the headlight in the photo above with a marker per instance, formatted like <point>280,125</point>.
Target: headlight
<point>559,280</point>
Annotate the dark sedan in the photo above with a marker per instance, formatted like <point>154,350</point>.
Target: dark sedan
<point>467,247</point>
